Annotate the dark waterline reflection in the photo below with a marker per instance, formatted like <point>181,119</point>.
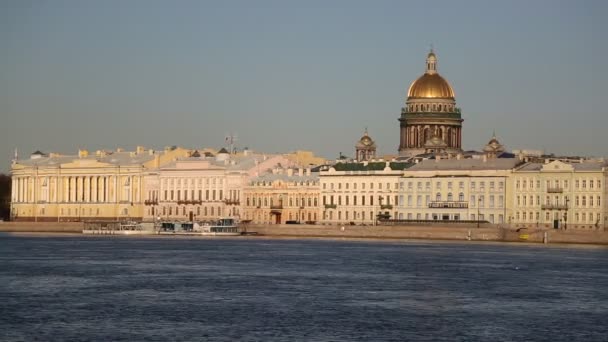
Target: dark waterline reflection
<point>167,289</point>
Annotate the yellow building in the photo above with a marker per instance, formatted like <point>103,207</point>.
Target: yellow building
<point>282,196</point>
<point>559,194</point>
<point>105,185</point>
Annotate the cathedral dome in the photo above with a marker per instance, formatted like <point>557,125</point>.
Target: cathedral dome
<point>431,84</point>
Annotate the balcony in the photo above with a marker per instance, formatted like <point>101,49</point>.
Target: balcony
<point>554,207</point>
<point>386,206</point>
<point>555,190</point>
<point>186,202</point>
<point>151,202</point>
<point>449,204</point>
<point>276,206</point>
<point>232,202</point>
<point>330,206</point>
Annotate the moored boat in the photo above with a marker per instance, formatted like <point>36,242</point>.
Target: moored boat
<point>118,228</point>
<point>226,226</point>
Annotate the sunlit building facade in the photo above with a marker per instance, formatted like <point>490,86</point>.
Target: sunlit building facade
<point>559,194</point>
<point>356,193</point>
<point>105,185</point>
<point>282,196</point>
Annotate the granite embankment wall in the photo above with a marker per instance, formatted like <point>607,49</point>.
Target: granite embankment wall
<point>433,233</point>
<point>42,227</point>
<point>462,233</point>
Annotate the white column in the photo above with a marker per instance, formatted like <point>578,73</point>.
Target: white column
<point>13,190</point>
<point>72,189</point>
<point>87,188</point>
<point>79,188</point>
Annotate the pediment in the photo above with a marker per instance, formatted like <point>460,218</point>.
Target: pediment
<point>557,166</point>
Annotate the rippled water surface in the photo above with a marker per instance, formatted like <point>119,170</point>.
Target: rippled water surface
<point>57,288</point>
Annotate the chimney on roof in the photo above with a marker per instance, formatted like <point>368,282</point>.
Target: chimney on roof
<point>300,172</point>
<point>308,171</point>
<point>289,172</point>
<point>458,156</point>
<point>140,149</point>
<point>485,158</point>
<point>120,149</point>
<point>83,153</point>
<point>437,158</point>
<point>151,152</point>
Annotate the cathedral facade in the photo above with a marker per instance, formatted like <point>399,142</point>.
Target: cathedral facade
<point>430,122</point>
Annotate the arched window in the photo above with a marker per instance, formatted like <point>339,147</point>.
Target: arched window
<point>450,196</point>
<point>461,197</point>
<point>438,197</point>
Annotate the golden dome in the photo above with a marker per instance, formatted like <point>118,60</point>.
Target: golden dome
<point>431,84</point>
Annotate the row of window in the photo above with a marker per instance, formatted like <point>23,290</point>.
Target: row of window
<point>579,201</point>
<point>265,202</point>
<point>269,183</point>
<point>358,200</point>
<point>474,200</point>
<point>204,211</point>
<point>430,107</point>
<point>262,218</point>
<point>451,185</point>
<point>169,195</point>
<point>184,182</point>
<point>558,184</point>
<point>578,217</point>
<point>450,217</point>
<point>347,186</point>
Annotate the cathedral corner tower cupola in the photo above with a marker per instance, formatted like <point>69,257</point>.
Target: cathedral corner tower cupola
<point>365,149</point>
<point>430,114</point>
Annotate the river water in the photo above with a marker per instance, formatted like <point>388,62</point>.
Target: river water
<point>79,288</point>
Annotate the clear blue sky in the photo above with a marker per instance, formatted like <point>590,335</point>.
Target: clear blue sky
<point>286,75</point>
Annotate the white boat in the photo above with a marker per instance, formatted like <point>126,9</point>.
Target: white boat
<point>118,228</point>
<point>223,227</point>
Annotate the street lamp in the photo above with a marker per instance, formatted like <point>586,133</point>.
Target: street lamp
<point>566,214</point>
<point>478,205</point>
<point>380,208</point>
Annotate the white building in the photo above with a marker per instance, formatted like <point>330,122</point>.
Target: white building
<point>456,189</point>
<point>203,187</point>
<point>357,192</point>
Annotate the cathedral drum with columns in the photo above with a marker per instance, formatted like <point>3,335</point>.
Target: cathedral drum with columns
<point>430,120</point>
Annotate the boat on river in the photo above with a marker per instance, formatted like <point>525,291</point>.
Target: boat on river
<point>226,226</point>
<point>118,228</point>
